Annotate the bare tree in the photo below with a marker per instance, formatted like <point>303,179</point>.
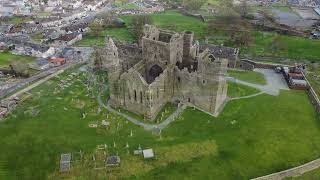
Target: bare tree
<point>95,28</point>
<point>138,23</point>
<point>193,5</point>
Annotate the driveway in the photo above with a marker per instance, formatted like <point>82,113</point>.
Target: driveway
<point>275,82</point>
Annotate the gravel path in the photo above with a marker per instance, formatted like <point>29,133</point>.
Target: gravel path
<point>275,82</point>
<point>146,126</point>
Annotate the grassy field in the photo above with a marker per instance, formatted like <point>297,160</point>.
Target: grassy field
<point>165,112</point>
<point>121,34</point>
<point>238,90</point>
<point>287,46</point>
<point>6,58</point>
<point>250,76</point>
<point>245,141</point>
<point>313,76</point>
<point>169,20</point>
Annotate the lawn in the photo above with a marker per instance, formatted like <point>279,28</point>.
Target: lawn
<point>288,46</point>
<point>171,20</point>
<point>313,76</point>
<point>164,113</point>
<point>249,76</point>
<point>245,141</point>
<point>121,34</point>
<point>6,58</point>
<point>239,90</point>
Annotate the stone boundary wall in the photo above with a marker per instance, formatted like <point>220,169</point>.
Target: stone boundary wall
<point>274,59</point>
<point>293,172</point>
<point>259,64</point>
<point>313,95</point>
<point>187,13</point>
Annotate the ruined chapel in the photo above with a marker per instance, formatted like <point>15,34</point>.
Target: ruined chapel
<point>169,67</point>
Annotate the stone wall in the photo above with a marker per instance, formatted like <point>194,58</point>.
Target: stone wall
<point>313,96</point>
<point>171,69</point>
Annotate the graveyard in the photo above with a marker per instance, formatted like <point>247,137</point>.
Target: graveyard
<point>62,116</point>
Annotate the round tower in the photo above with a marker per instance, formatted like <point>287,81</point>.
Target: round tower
<point>187,43</point>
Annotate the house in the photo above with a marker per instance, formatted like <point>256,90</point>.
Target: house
<point>56,61</point>
<point>3,47</point>
<point>315,35</point>
<point>68,39</point>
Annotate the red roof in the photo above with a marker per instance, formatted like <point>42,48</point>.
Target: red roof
<point>56,60</point>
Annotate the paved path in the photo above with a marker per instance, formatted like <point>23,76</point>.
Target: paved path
<point>17,94</point>
<point>293,172</point>
<point>246,97</point>
<point>146,126</point>
<point>275,82</point>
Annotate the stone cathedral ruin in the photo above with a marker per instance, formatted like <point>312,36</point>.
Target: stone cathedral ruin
<point>169,67</point>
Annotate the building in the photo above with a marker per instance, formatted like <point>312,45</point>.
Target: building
<point>172,69</point>
<point>57,61</point>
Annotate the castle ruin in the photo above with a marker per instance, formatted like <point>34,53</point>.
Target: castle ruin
<point>169,67</point>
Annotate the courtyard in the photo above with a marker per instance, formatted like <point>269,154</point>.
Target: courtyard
<point>245,141</point>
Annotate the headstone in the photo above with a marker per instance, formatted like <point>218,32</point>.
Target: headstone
<point>148,153</point>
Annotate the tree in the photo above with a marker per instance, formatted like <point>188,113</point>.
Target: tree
<point>193,5</point>
<point>19,68</point>
<point>238,29</point>
<point>107,19</point>
<point>227,8</point>
<point>95,28</point>
<point>138,23</point>
<point>243,8</point>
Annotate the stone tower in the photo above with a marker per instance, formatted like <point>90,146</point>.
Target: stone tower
<point>112,64</point>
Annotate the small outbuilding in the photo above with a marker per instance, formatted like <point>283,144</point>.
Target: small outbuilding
<point>57,61</point>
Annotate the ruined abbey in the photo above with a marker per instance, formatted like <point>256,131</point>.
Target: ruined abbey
<point>169,67</point>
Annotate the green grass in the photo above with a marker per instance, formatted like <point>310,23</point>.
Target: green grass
<point>6,58</point>
<point>291,47</point>
<point>313,75</point>
<point>129,6</point>
<point>121,34</point>
<point>238,90</point>
<point>245,141</point>
<point>171,20</point>
<point>249,76</point>
<point>167,110</point>
<point>175,21</point>
<point>18,19</point>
